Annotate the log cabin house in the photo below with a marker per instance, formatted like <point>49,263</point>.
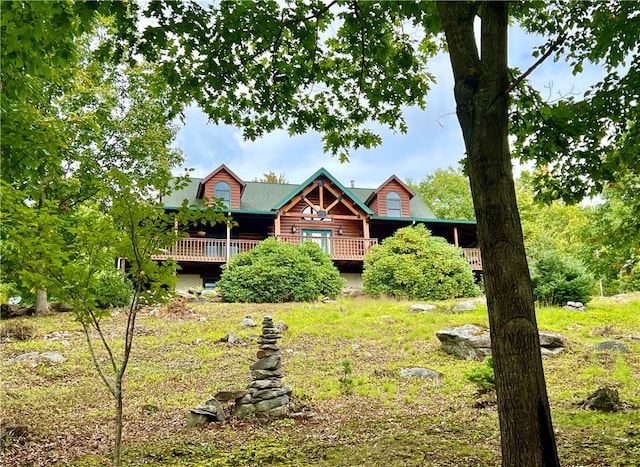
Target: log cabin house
<point>344,221</point>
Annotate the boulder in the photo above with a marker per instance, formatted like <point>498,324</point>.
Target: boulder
<point>276,412</point>
<point>53,357</point>
<point>420,372</point>
<point>422,308</point>
<point>612,345</point>
<point>473,342</point>
<point>16,311</point>
<point>212,409</point>
<point>194,419</point>
<point>482,300</point>
<point>575,306</point>
<point>470,342</point>
<point>50,356</point>
<point>23,357</point>
<point>248,322</point>
<point>465,306</point>
<point>224,396</point>
<point>551,343</point>
<point>552,340</point>
<point>231,339</point>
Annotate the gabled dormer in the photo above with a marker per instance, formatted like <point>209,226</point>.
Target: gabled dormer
<point>321,205</point>
<point>222,183</point>
<point>391,199</point>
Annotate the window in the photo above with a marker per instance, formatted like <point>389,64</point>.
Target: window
<point>394,204</point>
<point>223,190</point>
<point>318,214</point>
<point>209,283</point>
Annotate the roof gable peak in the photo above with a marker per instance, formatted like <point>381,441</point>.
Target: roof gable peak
<point>216,171</point>
<point>322,172</point>
<point>392,178</point>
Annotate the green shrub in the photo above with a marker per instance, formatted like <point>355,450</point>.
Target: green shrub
<point>112,289</point>
<point>558,279</point>
<point>483,376</point>
<point>413,264</point>
<point>275,272</point>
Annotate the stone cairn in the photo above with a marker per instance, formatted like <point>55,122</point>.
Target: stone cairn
<point>265,394</point>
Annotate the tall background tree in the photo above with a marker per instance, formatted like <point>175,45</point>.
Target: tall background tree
<point>37,67</point>
<point>86,156</point>
<point>447,193</point>
<point>272,177</point>
<point>612,236</point>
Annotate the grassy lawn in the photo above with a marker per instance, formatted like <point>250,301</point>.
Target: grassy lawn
<point>385,419</point>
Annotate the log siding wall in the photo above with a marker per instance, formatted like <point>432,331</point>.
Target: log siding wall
<point>381,199</point>
<point>223,176</point>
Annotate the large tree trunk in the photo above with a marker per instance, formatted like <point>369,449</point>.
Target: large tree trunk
<point>481,82</point>
<point>42,305</point>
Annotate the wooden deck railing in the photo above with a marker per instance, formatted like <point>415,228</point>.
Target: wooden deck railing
<point>338,248</point>
<point>208,250</point>
<point>214,250</point>
<point>472,255</point>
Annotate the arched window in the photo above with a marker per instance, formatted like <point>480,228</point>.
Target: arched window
<point>313,215</point>
<point>223,190</point>
<point>394,204</point>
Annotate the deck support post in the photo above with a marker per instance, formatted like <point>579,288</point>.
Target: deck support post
<point>228,240</point>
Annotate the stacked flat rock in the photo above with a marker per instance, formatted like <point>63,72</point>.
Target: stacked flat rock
<point>265,394</point>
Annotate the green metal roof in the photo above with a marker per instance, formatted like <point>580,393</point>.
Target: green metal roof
<point>259,196</point>
<point>418,209</point>
<point>264,198</point>
<point>175,199</point>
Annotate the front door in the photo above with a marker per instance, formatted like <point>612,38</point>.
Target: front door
<point>320,237</point>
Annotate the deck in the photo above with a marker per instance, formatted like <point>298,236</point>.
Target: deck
<point>214,250</point>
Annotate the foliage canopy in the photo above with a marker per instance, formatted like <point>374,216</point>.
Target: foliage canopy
<point>447,193</point>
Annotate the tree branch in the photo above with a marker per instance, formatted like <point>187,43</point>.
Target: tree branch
<point>316,15</point>
<point>554,46</point>
<point>96,364</point>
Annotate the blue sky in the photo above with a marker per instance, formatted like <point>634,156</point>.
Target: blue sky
<point>434,140</point>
